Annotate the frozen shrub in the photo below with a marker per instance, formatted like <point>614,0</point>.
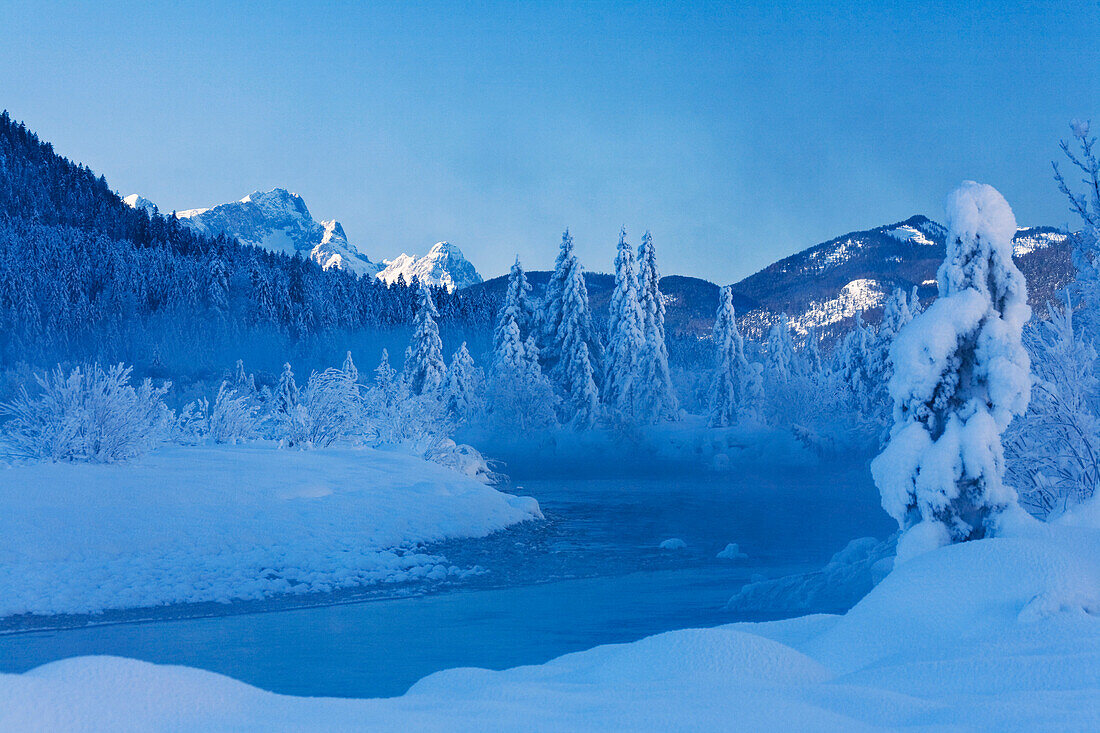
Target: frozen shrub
<point>92,414</point>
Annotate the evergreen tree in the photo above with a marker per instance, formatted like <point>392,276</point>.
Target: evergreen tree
<point>460,391</point>
<point>856,366</point>
<point>656,395</point>
<point>780,353</point>
<point>350,369</point>
<point>733,382</point>
<point>575,370</point>
<point>385,378</point>
<point>517,305</point>
<point>551,313</point>
<point>519,394</point>
<point>961,375</point>
<point>424,369</point>
<point>814,363</point>
<point>286,392</point>
<point>626,338</point>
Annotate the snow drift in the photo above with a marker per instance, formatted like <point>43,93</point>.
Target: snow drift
<point>184,525</point>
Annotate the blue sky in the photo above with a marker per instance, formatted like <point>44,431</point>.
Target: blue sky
<point>737,132</point>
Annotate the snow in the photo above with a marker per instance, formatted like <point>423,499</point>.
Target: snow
<point>858,295</point>
<point>996,634</point>
<point>731,552</point>
<point>673,543</point>
<point>1027,241</point>
<point>443,266</point>
<point>279,220</point>
<point>911,234</point>
<point>184,525</point>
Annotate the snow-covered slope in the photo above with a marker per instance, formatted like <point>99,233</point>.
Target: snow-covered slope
<point>1000,634</point>
<point>278,220</point>
<point>187,525</point>
<point>827,284</point>
<point>443,266</point>
<point>135,201</point>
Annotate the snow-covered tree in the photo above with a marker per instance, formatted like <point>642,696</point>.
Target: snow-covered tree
<point>463,385</point>
<point>286,392</point>
<point>519,395</point>
<point>232,418</point>
<point>575,371</point>
<point>1086,249</point>
<point>961,375</point>
<point>566,315</point>
<point>781,358</point>
<point>350,368</point>
<point>735,384</point>
<point>656,395</point>
<point>385,376</point>
<point>244,384</point>
<point>1054,457</point>
<point>550,315</point>
<point>625,333</point>
<point>88,414</point>
<point>424,369</point>
<point>856,365</point>
<point>812,352</point>
<point>517,304</point>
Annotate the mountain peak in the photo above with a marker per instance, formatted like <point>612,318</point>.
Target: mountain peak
<point>443,266</point>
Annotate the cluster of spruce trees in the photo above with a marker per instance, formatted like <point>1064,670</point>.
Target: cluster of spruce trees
<point>549,363</point>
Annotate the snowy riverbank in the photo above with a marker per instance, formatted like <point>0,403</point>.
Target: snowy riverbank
<point>184,525</point>
<point>1000,634</point>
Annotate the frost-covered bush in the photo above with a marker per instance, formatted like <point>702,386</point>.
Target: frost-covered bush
<point>961,375</point>
<point>1054,449</point>
<point>90,414</point>
<point>329,409</point>
<point>231,419</point>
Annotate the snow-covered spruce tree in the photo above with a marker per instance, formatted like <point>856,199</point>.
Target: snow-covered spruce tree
<point>385,377</point>
<point>856,365</point>
<point>424,369</point>
<point>350,369</point>
<point>463,385</point>
<point>519,395</point>
<point>656,396</point>
<point>960,375</point>
<point>550,315</point>
<point>517,304</point>
<point>575,371</point>
<point>556,310</point>
<point>625,333</point>
<point>896,314</point>
<point>1054,449</point>
<point>779,351</point>
<point>812,353</point>
<point>244,384</point>
<point>286,392</point>
<point>734,378</point>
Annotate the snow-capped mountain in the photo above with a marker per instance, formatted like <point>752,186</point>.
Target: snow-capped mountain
<point>443,266</point>
<point>278,220</point>
<point>140,202</point>
<point>826,285</point>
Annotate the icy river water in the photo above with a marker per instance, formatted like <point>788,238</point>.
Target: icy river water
<point>591,574</point>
